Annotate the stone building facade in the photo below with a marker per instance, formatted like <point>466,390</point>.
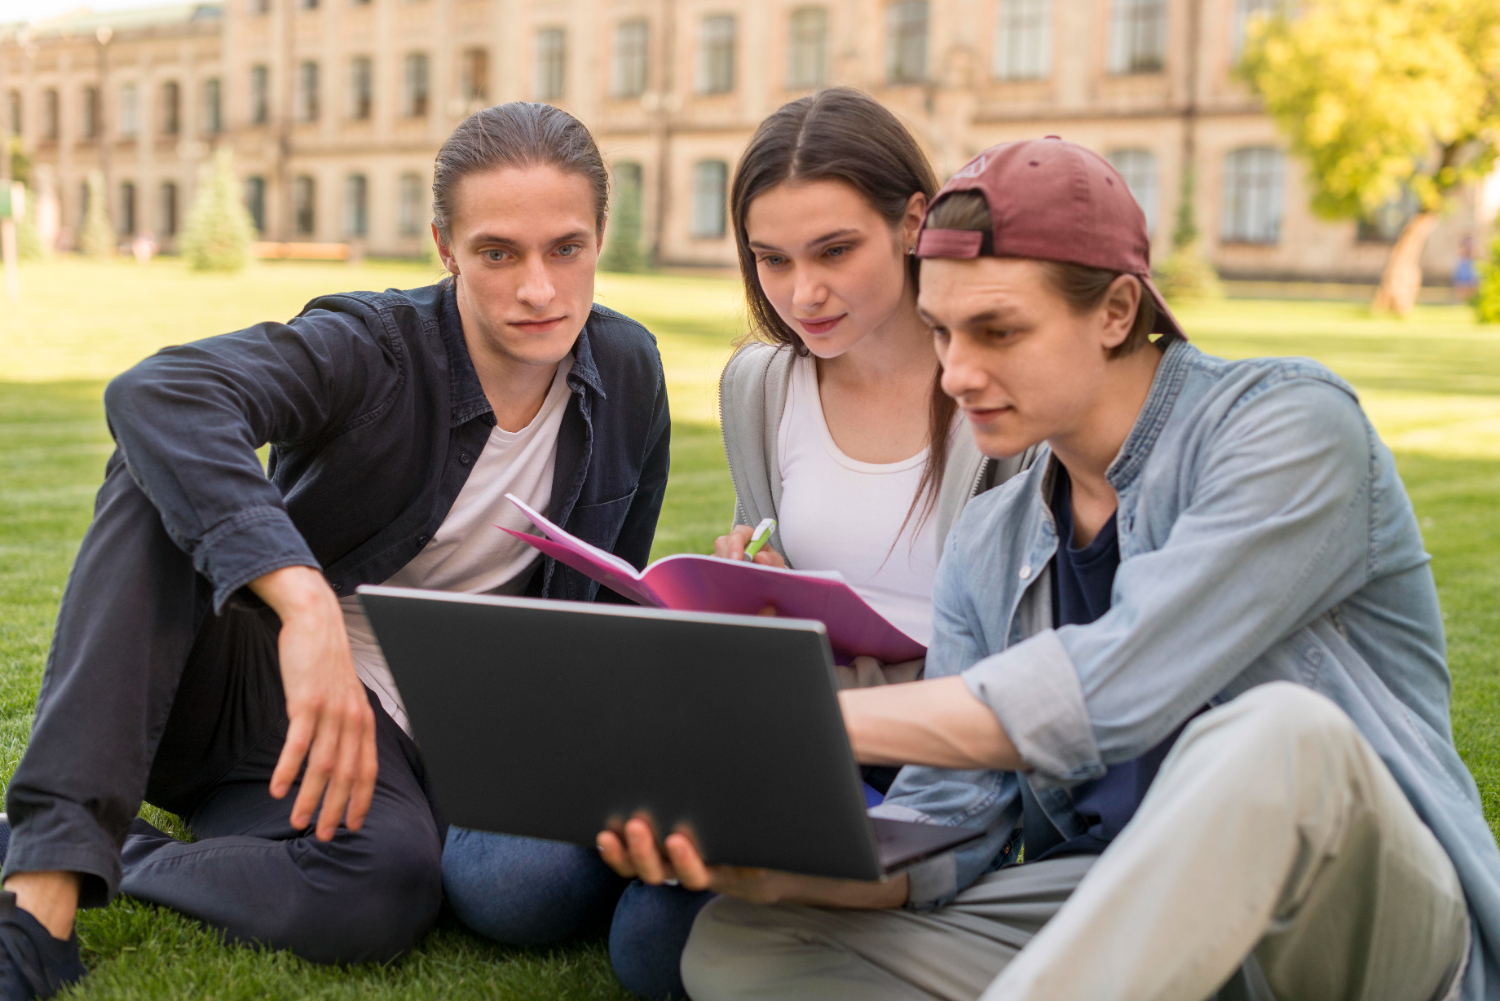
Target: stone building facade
<point>334,108</point>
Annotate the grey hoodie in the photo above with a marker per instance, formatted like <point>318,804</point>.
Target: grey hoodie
<point>752,396</point>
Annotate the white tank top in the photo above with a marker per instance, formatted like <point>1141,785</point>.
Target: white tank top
<point>838,513</point>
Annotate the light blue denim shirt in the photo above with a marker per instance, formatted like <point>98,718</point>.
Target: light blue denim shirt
<point>1264,536</point>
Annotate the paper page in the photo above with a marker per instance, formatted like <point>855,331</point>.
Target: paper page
<point>572,542</point>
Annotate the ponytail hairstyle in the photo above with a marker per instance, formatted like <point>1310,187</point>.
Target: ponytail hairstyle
<point>839,134</point>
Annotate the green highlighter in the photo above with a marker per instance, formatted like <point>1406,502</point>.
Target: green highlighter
<point>759,537</point>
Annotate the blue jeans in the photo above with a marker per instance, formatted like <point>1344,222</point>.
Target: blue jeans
<point>523,891</point>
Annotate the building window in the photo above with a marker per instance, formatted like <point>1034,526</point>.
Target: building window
<point>171,108</point>
<point>304,204</point>
<point>260,95</point>
<point>168,225</point>
<point>361,88</point>
<point>1244,12</point>
<point>807,48</point>
<point>213,108</point>
<point>91,121</point>
<point>14,100</point>
<point>127,208</point>
<point>474,81</point>
<point>356,207</point>
<point>307,91</point>
<point>51,114</point>
<point>414,86</point>
<point>710,178</point>
<point>1023,40</point>
<point>551,64</point>
<point>716,54</point>
<point>258,6</point>
<point>308,4</point>
<point>906,42</point>
<point>1138,167</point>
<point>632,50</point>
<point>413,205</point>
<point>130,111</point>
<point>1252,195</point>
<point>1386,223</point>
<point>255,202</point>
<point>1138,36</point>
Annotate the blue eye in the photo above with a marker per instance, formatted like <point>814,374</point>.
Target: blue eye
<point>494,255</point>
<point>568,250</point>
<point>836,251</point>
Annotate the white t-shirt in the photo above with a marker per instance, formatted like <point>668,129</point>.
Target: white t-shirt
<point>838,513</point>
<point>468,553</point>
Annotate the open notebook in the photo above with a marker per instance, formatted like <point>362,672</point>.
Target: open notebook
<point>692,583</point>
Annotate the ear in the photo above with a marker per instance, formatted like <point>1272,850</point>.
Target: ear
<point>911,220</point>
<point>1117,312</point>
<point>445,253</point>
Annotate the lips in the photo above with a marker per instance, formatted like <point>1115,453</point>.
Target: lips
<point>983,415</point>
<point>537,326</point>
<point>822,324</point>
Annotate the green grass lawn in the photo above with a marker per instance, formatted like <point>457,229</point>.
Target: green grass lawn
<point>1430,383</point>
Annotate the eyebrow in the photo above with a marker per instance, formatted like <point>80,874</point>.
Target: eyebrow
<point>505,241</point>
<point>976,320</point>
<point>825,238</point>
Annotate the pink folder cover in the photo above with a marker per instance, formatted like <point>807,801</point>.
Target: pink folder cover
<point>692,583</point>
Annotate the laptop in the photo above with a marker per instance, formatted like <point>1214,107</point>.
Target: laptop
<point>559,719</point>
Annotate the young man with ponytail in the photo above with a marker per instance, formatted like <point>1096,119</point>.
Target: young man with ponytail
<point>1187,671</point>
<point>210,656</point>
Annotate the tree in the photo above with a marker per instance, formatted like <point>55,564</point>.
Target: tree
<point>624,250</point>
<point>1382,97</point>
<point>98,238</point>
<point>1487,299</point>
<point>1186,273</point>
<point>219,229</point>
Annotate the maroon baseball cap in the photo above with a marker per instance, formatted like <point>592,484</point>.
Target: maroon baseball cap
<point>1052,201</point>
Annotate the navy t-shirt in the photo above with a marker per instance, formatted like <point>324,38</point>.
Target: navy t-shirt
<point>1083,583</point>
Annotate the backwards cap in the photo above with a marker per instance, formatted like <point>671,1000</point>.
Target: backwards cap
<point>1053,201</point>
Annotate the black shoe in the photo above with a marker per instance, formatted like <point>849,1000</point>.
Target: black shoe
<point>33,964</point>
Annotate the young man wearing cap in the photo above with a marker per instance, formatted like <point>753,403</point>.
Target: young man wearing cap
<point>1211,586</point>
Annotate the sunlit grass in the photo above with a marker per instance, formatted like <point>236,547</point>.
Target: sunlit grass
<point>1430,384</point>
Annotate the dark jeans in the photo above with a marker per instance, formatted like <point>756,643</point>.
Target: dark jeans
<point>148,695</point>
<point>523,891</point>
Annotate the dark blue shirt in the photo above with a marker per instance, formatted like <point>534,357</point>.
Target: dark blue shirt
<point>1083,580</point>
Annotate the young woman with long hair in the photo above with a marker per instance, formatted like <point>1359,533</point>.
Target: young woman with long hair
<point>834,422</point>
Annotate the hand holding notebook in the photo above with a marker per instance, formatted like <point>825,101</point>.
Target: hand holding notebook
<point>689,582</point>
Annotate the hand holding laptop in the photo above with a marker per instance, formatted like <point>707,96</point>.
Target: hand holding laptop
<point>635,852</point>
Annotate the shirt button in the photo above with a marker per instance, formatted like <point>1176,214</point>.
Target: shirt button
<point>422,540</point>
<point>463,459</point>
<point>1026,571</point>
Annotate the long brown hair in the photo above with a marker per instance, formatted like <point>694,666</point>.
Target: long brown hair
<point>839,134</point>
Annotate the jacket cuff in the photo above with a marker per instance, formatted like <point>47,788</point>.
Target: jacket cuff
<point>932,882</point>
<point>249,545</point>
<point>1033,690</point>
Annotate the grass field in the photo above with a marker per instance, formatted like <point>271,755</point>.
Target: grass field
<point>1430,383</point>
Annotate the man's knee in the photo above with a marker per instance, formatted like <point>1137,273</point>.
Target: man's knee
<point>1281,713</point>
<point>721,959</point>
<point>368,904</point>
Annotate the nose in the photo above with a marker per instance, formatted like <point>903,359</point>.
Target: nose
<point>536,290</point>
<point>809,292</point>
<point>962,374</point>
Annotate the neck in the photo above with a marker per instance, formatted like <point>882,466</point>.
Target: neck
<point>900,348</point>
<point>1088,449</point>
<point>515,389</point>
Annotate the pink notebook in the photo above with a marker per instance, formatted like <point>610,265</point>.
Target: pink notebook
<point>692,583</point>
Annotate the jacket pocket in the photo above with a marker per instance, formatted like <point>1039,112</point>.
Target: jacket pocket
<point>600,524</point>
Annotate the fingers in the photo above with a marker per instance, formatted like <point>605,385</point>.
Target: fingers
<point>614,853</point>
<point>364,780</point>
<point>687,863</point>
<point>350,723</point>
<point>646,859</point>
<point>298,739</point>
<point>769,557</point>
<point>320,761</point>
<point>732,546</point>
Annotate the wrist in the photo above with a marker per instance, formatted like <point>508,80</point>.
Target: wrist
<point>296,593</point>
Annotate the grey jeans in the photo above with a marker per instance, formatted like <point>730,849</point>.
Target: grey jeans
<point>1274,857</point>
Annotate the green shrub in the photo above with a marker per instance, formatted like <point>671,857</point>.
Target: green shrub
<point>1487,299</point>
<point>623,252</point>
<point>1187,274</point>
<point>98,238</point>
<point>28,237</point>
<point>219,230</point>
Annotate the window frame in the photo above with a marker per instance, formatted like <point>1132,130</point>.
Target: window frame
<point>1255,175</point>
<point>1138,37</point>
<point>550,63</point>
<point>1146,190</point>
<point>1023,40</point>
<point>416,85</point>
<point>807,47</point>
<point>718,38</point>
<point>709,222</point>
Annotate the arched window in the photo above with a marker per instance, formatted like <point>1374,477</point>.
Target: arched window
<point>710,179</point>
<point>906,42</point>
<point>413,208</point>
<point>171,108</point>
<point>1138,36</point>
<point>304,205</point>
<point>629,71</point>
<point>807,48</point>
<point>716,38</point>
<point>1023,39</point>
<point>551,69</point>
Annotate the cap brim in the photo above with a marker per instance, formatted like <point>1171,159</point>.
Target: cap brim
<point>1166,323</point>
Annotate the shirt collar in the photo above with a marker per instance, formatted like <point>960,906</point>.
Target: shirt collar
<point>467,395</point>
<point>1167,383</point>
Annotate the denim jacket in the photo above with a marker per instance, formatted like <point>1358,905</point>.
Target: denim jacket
<point>375,416</point>
<point>1264,536</point>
